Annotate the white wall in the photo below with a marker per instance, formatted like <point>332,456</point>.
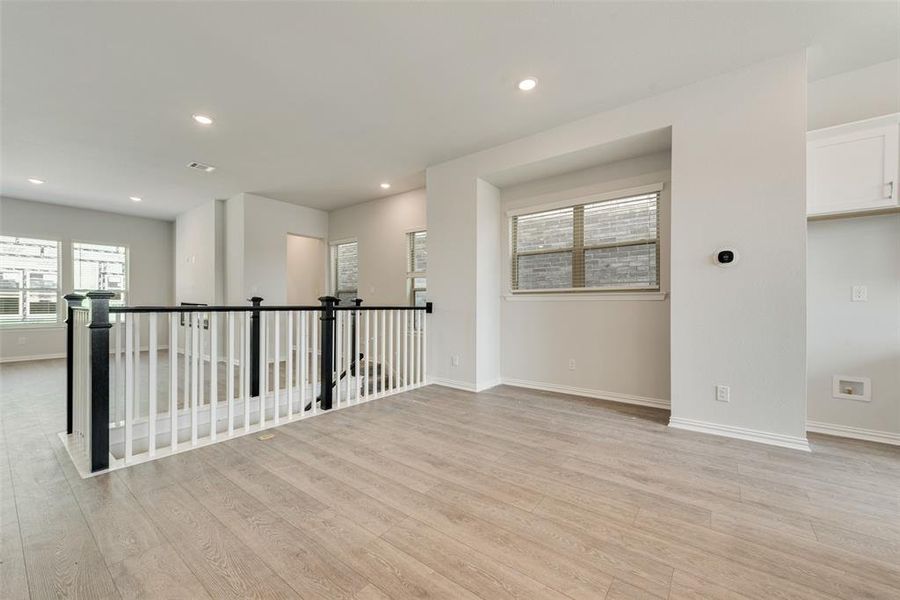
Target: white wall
<point>738,177</point>
<point>150,245</point>
<point>855,95</point>
<point>257,244</point>
<point>306,260</point>
<point>844,337</point>
<point>380,227</point>
<point>855,338</point>
<point>198,254</point>
<point>620,343</point>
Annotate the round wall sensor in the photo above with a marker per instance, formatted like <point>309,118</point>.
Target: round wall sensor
<point>725,257</point>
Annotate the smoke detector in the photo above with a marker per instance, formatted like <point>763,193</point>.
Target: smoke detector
<point>201,167</point>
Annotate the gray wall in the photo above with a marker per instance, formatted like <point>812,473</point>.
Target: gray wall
<point>150,254</point>
<point>620,346</point>
<point>380,227</point>
<point>855,338</point>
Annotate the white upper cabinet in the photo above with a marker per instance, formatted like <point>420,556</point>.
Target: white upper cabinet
<point>853,167</point>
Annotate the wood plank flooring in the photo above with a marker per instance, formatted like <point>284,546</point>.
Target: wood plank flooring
<point>439,493</point>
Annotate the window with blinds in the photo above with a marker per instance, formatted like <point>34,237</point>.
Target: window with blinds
<point>416,267</point>
<point>29,280</point>
<point>101,267</point>
<point>345,269</point>
<point>609,245</point>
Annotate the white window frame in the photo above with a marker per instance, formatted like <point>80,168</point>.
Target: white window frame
<point>127,292</point>
<point>58,320</point>
<point>573,293</point>
<point>334,266</point>
<point>411,275</point>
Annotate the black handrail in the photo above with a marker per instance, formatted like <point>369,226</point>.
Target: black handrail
<point>270,308</point>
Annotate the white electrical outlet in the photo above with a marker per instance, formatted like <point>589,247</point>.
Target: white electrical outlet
<point>860,293</point>
<point>454,360</point>
<point>571,364</point>
<point>723,393</point>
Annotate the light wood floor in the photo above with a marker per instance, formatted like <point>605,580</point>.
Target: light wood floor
<point>446,494</point>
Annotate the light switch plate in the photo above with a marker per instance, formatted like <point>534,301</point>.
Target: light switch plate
<point>860,293</point>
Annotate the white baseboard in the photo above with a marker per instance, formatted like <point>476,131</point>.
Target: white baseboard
<point>856,433</point>
<point>741,433</point>
<point>589,393</point>
<point>15,359</point>
<point>463,385</point>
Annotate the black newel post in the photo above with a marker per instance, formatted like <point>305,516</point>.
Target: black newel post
<point>254,347</point>
<point>100,327</point>
<point>354,357</point>
<point>326,375</point>
<point>72,300</point>
<point>429,308</point>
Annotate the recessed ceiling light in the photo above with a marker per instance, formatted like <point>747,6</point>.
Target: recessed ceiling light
<point>135,198</point>
<point>35,181</point>
<point>203,119</point>
<point>385,186</point>
<point>528,84</point>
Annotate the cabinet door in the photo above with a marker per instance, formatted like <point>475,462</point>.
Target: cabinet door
<point>853,172</point>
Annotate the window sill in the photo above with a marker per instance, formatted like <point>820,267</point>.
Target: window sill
<point>586,296</point>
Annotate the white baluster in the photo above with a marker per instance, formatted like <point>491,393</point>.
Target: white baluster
<point>118,383</point>
<point>302,359</point>
<point>129,383</point>
<point>289,365</point>
<point>337,360</point>
<point>195,371</point>
<point>263,368</point>
<point>348,352</point>
<point>368,359</point>
<point>213,378</point>
<point>315,323</point>
<point>188,317</point>
<point>136,410</point>
<point>276,384</point>
<point>173,380</point>
<point>424,347</point>
<point>199,350</point>
<point>229,372</point>
<point>151,396</point>
<point>381,375</point>
<point>391,361</point>
<point>245,369</point>
<point>405,350</point>
<point>376,365</point>
<point>357,323</point>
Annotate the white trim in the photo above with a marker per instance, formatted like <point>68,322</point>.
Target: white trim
<point>741,433</point>
<point>589,199</point>
<point>461,385</point>
<point>589,393</point>
<point>855,433</point>
<point>577,296</point>
<point>15,359</point>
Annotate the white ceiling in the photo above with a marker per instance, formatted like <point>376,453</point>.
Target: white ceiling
<point>318,103</point>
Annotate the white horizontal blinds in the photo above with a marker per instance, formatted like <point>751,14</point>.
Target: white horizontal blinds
<point>416,266</point>
<point>29,280</point>
<point>543,248</point>
<point>613,244</point>
<point>101,267</point>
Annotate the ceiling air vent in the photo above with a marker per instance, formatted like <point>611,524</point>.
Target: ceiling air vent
<point>201,167</point>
